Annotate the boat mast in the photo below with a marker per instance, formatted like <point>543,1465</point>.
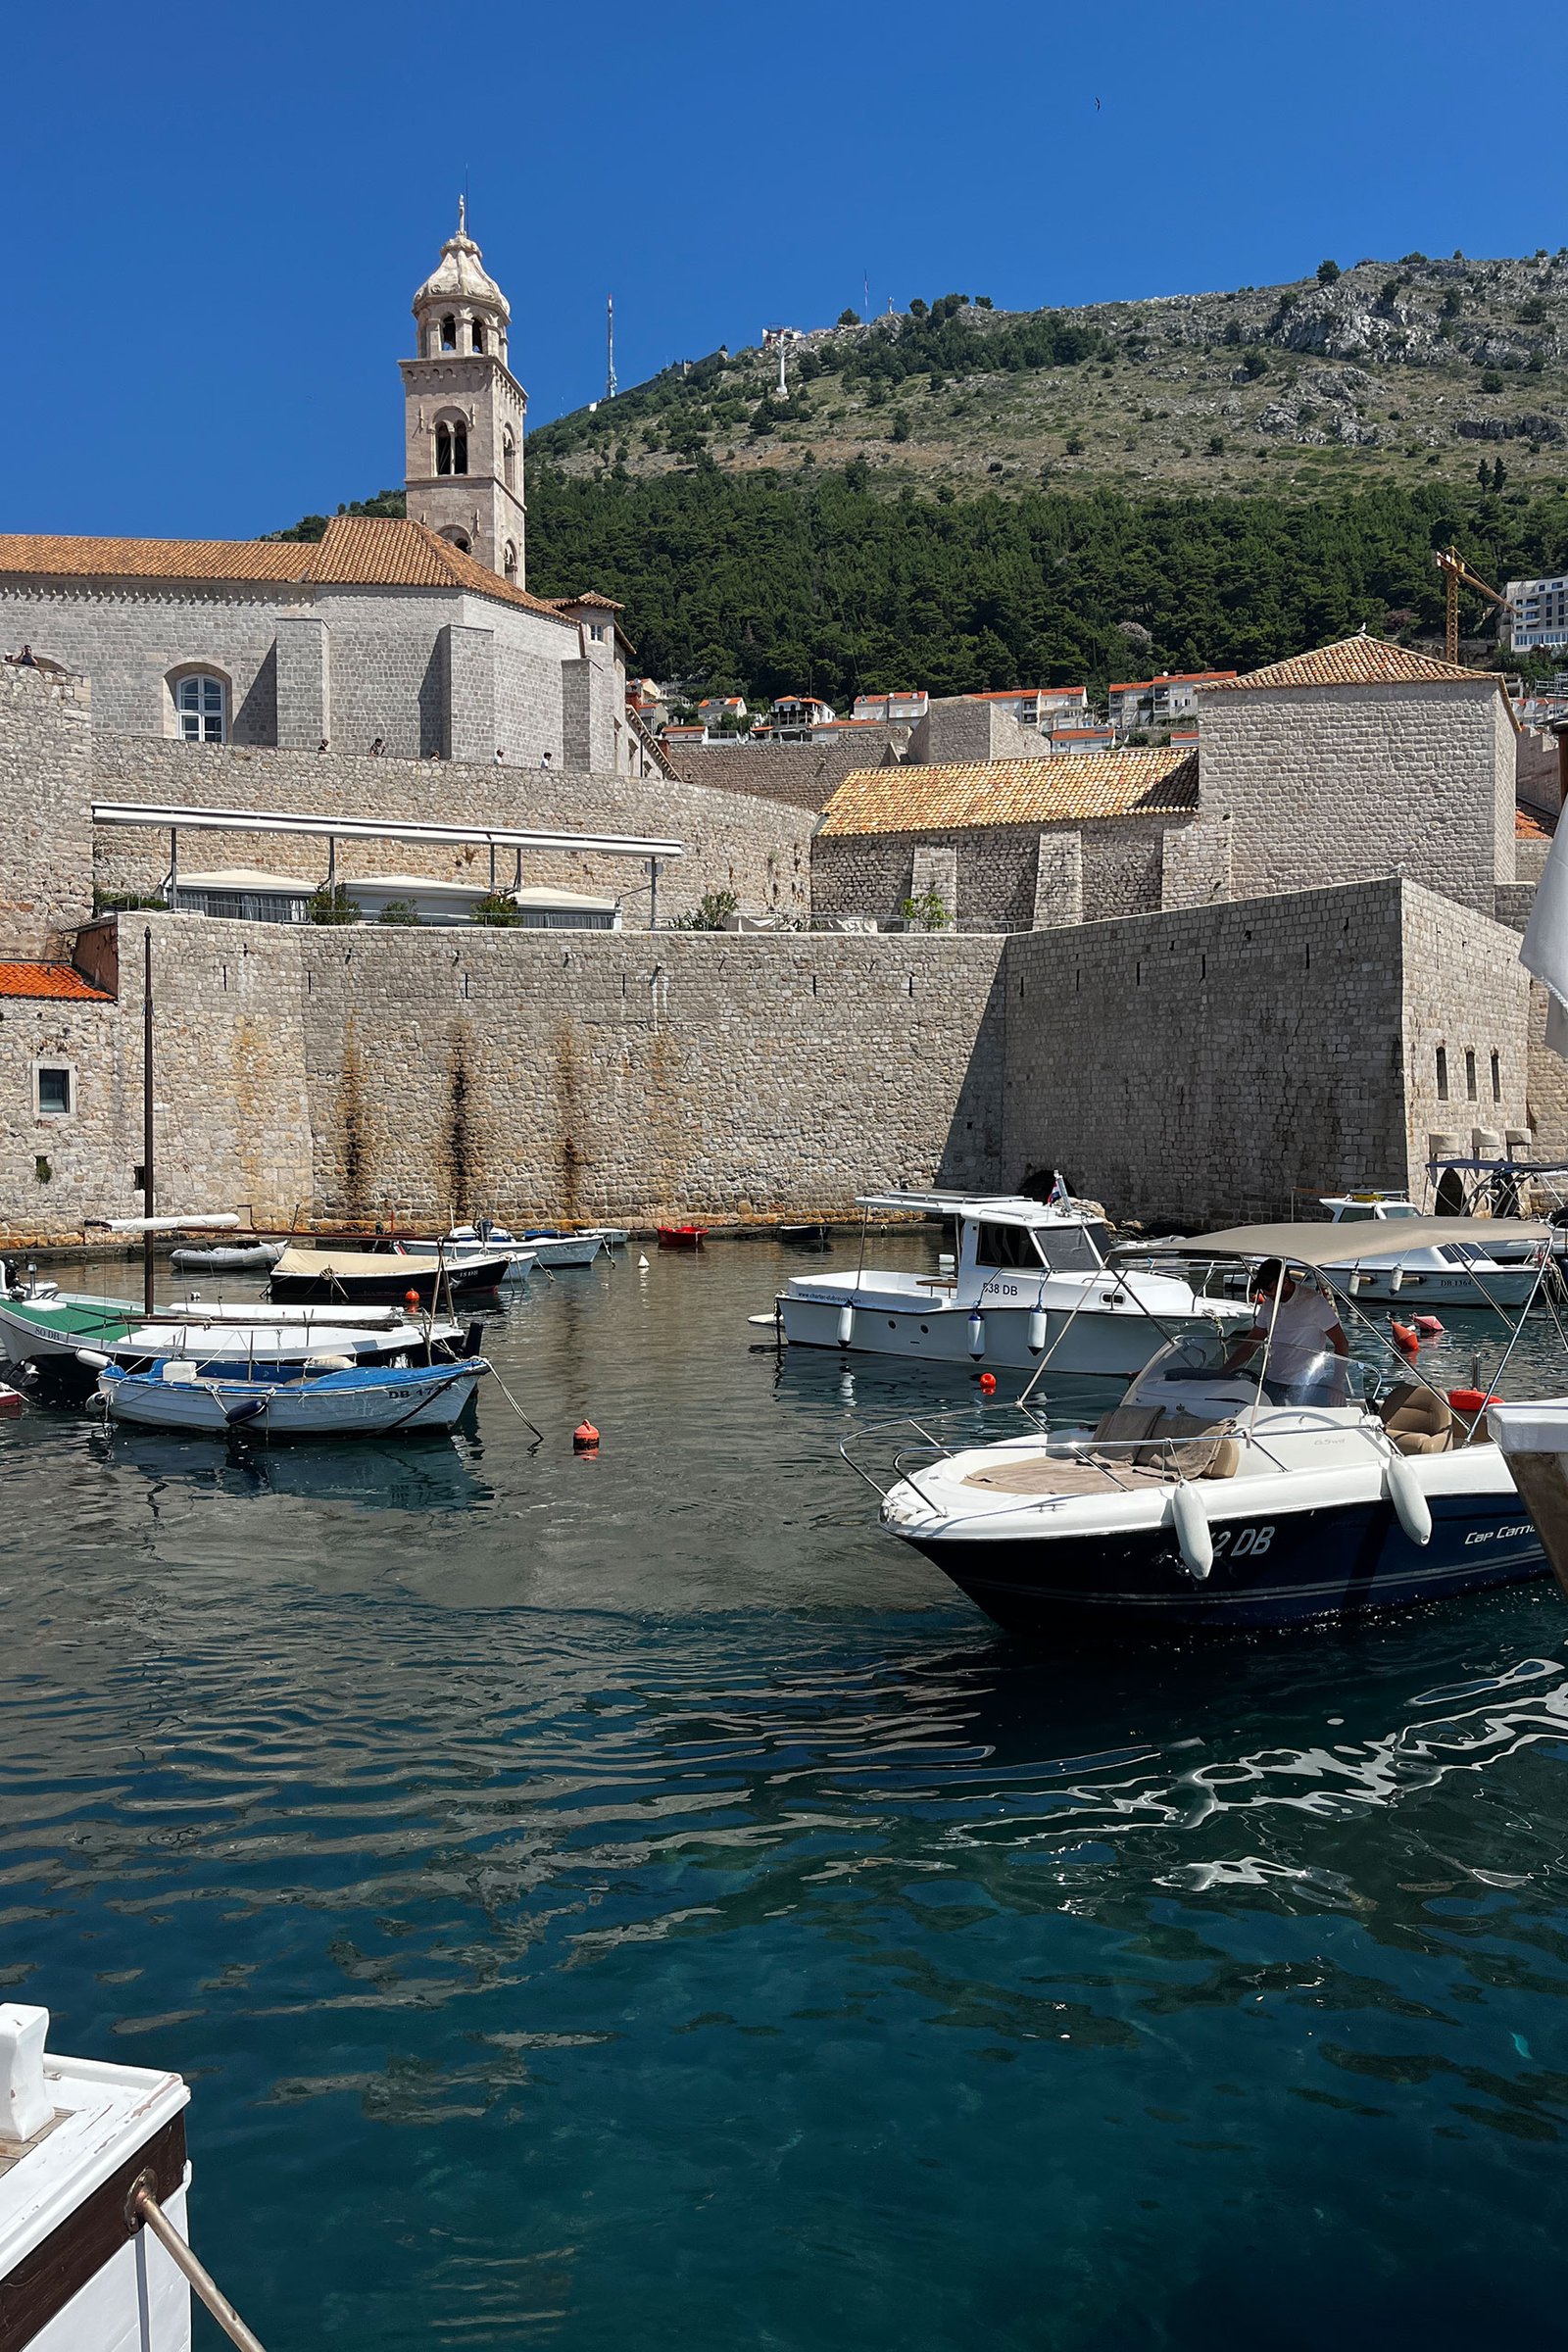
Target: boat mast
<point>147,1118</point>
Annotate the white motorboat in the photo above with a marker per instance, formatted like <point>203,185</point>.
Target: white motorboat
<point>1031,1283</point>
<point>1488,1263</point>
<point>466,1245</point>
<point>558,1250</point>
<point>329,1399</point>
<point>278,1347</point>
<point>1217,1495</point>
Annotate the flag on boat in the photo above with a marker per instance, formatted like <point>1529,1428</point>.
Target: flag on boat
<point>1544,952</point>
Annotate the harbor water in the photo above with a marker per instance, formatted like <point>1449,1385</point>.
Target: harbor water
<point>627,1897</point>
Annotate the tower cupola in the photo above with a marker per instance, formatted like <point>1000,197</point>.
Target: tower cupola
<point>460,307</point>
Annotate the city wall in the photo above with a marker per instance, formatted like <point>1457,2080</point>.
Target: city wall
<point>1004,877</point>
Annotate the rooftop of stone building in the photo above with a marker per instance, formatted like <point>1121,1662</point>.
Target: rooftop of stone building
<point>358,550</point>
<point>1071,789</point>
<point>61,982</point>
<point>1359,661</point>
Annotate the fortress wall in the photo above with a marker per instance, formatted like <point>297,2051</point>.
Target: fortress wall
<point>46,787</point>
<point>997,871</point>
<point>1465,992</point>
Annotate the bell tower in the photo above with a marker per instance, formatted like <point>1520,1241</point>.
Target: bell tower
<point>465,411</point>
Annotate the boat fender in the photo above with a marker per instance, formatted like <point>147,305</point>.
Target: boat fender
<point>1411,1507</point>
<point>1428,1325</point>
<point>1404,1335</point>
<point>1193,1536</point>
<point>977,1334</point>
<point>585,1438</point>
<point>94,1362</point>
<point>845,1324</point>
<point>251,1410</point>
<point>1037,1330</point>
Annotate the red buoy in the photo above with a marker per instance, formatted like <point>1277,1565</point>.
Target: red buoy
<point>585,1438</point>
<point>1404,1335</point>
<point>988,1383</point>
<point>411,1297</point>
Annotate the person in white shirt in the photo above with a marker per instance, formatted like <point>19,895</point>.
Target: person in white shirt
<point>1304,1327</point>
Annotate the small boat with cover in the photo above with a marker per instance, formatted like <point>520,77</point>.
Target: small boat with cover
<point>1244,1481</point>
<point>330,1398</point>
<point>382,1269</point>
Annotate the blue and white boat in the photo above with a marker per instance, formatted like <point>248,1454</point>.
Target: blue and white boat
<point>330,1398</point>
<point>1216,1495</point>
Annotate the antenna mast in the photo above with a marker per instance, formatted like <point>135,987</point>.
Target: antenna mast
<point>609,347</point>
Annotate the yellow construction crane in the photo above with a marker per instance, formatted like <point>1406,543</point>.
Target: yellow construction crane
<point>1455,570</point>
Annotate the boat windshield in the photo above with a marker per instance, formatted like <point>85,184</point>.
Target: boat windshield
<point>1204,1359</point>
<point>1072,1248</point>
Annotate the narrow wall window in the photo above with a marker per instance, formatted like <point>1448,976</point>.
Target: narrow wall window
<point>508,568</point>
<point>1442,1073</point>
<point>460,449</point>
<point>1470,1073</point>
<point>55,1092</point>
<point>443,449</point>
<point>478,336</point>
<point>1497,1079</point>
<point>509,460</point>
<point>199,706</point>
<point>449,334</point>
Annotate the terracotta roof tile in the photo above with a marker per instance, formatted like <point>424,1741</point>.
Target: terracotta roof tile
<point>358,550</point>
<point>1527,827</point>
<point>60,981</point>
<point>1352,662</point>
<point>1014,792</point>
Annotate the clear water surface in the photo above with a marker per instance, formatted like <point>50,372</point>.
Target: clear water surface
<point>631,1900</point>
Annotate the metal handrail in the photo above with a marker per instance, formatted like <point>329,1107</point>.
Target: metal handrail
<point>142,2207</point>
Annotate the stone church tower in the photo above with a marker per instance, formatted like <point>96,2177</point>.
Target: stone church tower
<point>465,411</point>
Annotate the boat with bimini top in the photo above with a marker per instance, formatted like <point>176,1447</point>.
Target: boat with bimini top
<point>1244,1480</point>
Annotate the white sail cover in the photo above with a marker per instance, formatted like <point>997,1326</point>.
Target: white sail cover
<point>1544,952</point>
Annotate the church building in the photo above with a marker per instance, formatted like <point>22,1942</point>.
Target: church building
<point>418,639</point>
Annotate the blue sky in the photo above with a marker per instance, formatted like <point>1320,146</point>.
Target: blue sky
<point>216,216</point>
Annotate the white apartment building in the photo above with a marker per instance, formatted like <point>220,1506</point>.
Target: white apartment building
<point>1540,613</point>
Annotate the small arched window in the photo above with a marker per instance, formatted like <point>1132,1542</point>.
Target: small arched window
<point>199,706</point>
<point>443,449</point>
<point>457,539</point>
<point>460,449</point>
<point>478,336</point>
<point>508,568</point>
<point>449,334</point>
<point>509,459</point>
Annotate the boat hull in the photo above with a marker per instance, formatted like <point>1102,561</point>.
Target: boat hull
<point>1109,1344</point>
<point>1276,1568</point>
<point>567,1250</point>
<point>320,1409</point>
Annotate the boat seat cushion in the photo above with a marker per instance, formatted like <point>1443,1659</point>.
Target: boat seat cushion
<point>1124,1424</point>
<point>1057,1474</point>
<point>1417,1419</point>
<point>1207,1448</point>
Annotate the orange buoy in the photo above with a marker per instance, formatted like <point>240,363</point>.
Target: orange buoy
<point>411,1297</point>
<point>1470,1400</point>
<point>1427,1325</point>
<point>585,1438</point>
<point>1404,1335</point>
<point>988,1383</point>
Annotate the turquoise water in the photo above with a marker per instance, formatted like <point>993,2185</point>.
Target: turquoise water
<point>629,1897</point>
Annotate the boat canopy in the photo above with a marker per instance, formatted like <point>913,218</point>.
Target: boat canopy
<point>1323,1245</point>
<point>995,1209</point>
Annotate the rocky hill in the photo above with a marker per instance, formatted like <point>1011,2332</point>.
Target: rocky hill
<point>1414,373</point>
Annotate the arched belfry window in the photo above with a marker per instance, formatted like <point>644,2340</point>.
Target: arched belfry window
<point>449,334</point>
<point>443,449</point>
<point>460,449</point>
<point>199,706</point>
<point>508,569</point>
<point>457,537</point>
<point>452,446</point>
<point>478,336</point>
<point>509,459</point>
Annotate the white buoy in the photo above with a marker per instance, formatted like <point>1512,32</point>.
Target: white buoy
<point>977,1334</point>
<point>1193,1537</point>
<point>845,1324</point>
<point>643,1262</point>
<point>1411,1507</point>
<point>1037,1330</point>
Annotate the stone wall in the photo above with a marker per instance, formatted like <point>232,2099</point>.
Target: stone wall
<point>806,775</point>
<point>45,788</point>
<point>1324,785</point>
<point>1117,870</point>
<point>1203,1066</point>
<point>759,850</point>
<point>1467,997</point>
